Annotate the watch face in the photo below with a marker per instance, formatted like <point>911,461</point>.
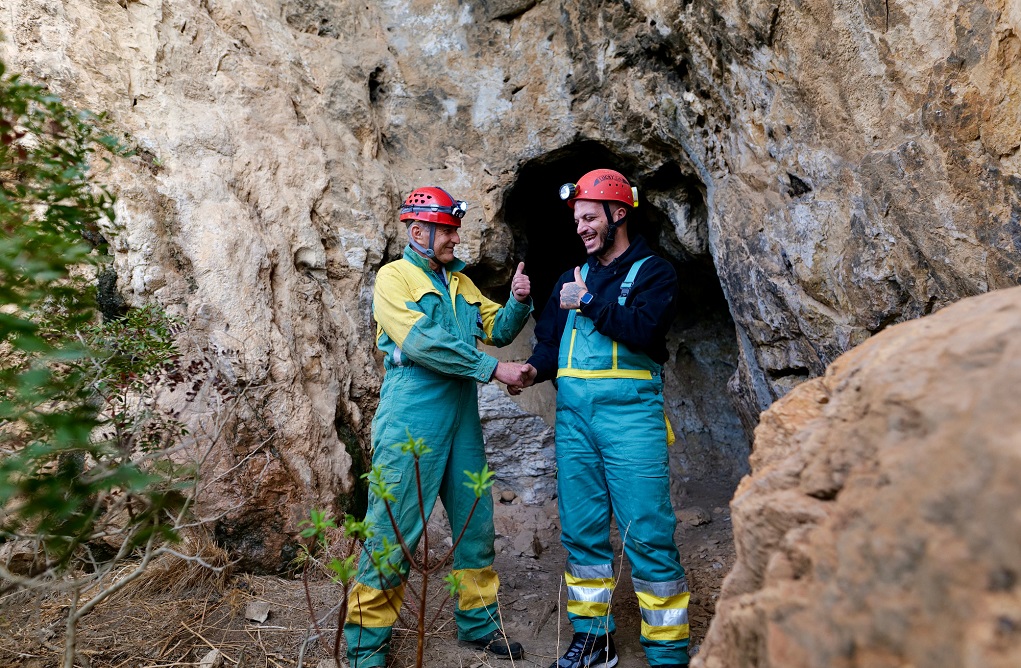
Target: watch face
<point>586,298</point>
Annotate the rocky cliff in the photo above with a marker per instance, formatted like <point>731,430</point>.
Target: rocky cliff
<point>880,524</point>
<point>817,169</point>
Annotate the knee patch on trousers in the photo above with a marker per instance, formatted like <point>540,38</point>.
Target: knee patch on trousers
<point>478,587</point>
<point>374,608</point>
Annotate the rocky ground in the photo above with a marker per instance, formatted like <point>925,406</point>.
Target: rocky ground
<point>179,616</point>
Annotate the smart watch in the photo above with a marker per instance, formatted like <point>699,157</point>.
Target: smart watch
<point>586,298</point>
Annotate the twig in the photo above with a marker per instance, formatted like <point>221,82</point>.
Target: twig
<point>209,644</point>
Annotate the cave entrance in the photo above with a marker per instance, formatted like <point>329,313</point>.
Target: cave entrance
<point>672,216</point>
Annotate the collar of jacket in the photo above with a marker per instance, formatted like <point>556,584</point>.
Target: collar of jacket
<point>414,258</point>
<point>636,251</point>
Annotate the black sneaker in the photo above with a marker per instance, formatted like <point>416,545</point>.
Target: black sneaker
<point>497,644</point>
<point>588,651</point>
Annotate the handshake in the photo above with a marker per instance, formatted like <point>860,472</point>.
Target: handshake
<point>515,376</point>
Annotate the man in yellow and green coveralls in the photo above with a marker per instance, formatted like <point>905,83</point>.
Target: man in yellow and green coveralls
<point>429,316</point>
<point>602,339</point>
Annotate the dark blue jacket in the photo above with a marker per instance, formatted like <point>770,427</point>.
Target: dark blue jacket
<point>640,324</point>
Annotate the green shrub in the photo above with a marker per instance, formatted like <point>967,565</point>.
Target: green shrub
<point>75,436</point>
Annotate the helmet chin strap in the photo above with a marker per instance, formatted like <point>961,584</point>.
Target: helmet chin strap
<point>428,252</point>
<point>611,231</point>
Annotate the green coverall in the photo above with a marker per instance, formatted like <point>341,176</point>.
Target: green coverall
<point>428,331</point>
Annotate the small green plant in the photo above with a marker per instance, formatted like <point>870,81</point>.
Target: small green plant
<point>322,529</point>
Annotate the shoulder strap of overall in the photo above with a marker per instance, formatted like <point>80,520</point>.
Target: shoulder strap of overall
<point>629,280</point>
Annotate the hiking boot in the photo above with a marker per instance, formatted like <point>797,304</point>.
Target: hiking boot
<point>588,651</point>
<point>497,644</point>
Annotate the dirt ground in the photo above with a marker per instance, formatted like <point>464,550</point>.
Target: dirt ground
<point>178,616</point>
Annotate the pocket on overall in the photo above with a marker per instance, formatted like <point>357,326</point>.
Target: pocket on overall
<point>588,349</point>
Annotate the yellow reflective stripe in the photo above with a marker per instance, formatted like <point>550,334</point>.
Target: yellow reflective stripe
<point>588,594</point>
<point>653,602</point>
<point>570,352</point>
<point>665,632</point>
<point>606,583</point>
<point>587,609</point>
<point>614,356</point>
<point>478,587</point>
<point>637,374</point>
<point>677,602</point>
<point>374,608</point>
<point>670,438</point>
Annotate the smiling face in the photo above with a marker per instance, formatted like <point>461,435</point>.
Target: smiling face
<point>591,224</point>
<point>446,239</point>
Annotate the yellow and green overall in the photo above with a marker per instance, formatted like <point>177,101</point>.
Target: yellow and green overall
<point>428,323</point>
<point>611,441</point>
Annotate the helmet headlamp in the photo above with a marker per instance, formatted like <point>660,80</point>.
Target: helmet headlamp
<point>457,209</point>
<point>568,190</point>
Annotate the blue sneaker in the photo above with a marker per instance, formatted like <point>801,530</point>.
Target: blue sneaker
<point>588,651</point>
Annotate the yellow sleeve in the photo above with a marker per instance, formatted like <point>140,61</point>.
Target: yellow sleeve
<point>393,302</point>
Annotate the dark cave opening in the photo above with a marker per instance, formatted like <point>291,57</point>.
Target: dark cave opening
<point>542,223</point>
<point>672,216</point>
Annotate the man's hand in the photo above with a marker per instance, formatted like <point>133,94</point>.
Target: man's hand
<point>515,376</point>
<point>530,372</point>
<point>571,293</point>
<point>510,374</point>
<point>521,287</point>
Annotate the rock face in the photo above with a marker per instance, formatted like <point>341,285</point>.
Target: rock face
<point>817,169</point>
<point>880,524</point>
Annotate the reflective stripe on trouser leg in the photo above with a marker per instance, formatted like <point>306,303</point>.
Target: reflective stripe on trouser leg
<point>478,587</point>
<point>664,607</point>
<point>589,591</point>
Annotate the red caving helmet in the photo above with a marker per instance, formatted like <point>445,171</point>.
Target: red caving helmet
<point>601,185</point>
<point>433,205</point>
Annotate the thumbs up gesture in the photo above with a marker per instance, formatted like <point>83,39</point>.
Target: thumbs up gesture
<point>521,287</point>
<point>571,293</point>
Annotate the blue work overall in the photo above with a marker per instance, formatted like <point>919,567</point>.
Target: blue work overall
<point>611,440</point>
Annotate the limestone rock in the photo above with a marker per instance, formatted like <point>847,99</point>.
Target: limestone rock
<point>211,659</point>
<point>882,506</point>
<point>694,516</point>
<point>519,446</point>
<point>257,611</point>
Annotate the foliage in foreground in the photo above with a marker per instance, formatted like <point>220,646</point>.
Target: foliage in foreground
<point>92,470</point>
<point>322,529</point>
<point>61,376</point>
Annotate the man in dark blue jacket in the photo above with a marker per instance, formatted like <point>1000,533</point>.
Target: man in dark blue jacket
<point>602,337</point>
